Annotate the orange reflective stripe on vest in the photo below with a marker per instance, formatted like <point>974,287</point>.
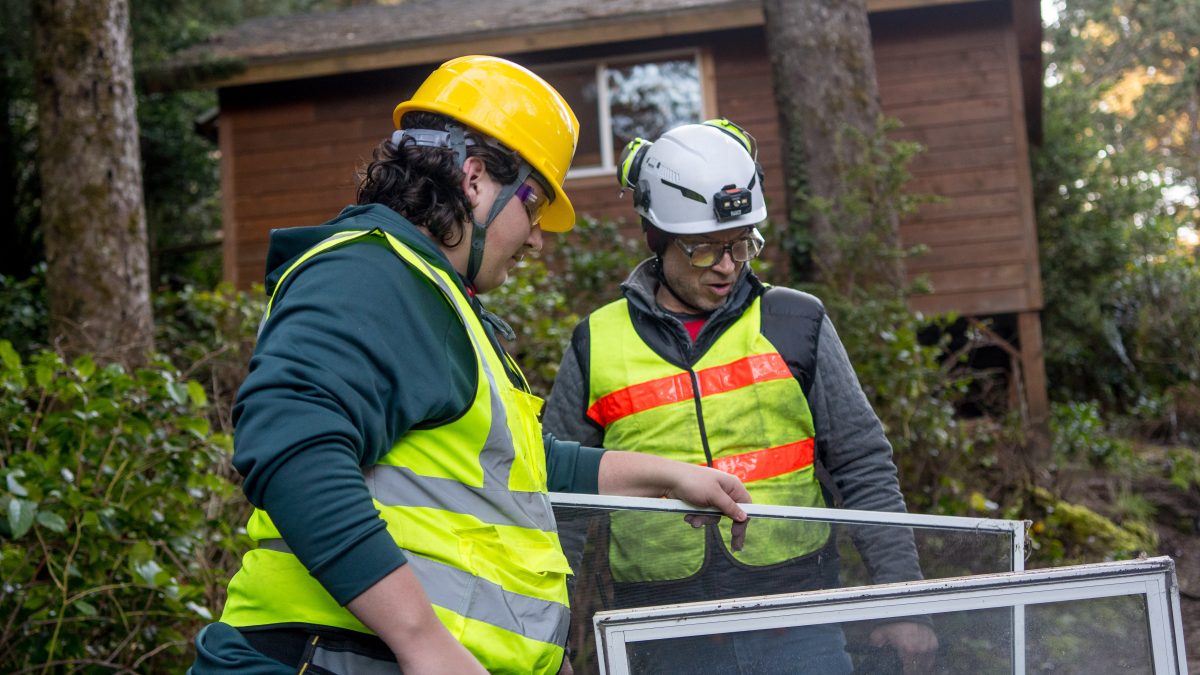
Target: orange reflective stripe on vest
<point>667,390</point>
<point>768,463</point>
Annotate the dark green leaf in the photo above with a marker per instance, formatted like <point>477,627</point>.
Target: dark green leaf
<point>52,521</point>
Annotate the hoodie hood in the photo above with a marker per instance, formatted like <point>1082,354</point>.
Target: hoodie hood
<point>289,243</point>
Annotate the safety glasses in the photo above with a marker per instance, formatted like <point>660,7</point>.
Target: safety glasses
<point>534,203</point>
<point>706,254</point>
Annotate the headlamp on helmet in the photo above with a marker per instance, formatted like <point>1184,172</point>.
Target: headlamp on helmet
<point>732,202</point>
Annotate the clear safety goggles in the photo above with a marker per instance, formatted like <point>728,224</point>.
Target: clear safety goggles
<point>706,254</point>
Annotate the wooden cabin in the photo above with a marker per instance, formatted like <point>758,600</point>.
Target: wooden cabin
<point>303,100</point>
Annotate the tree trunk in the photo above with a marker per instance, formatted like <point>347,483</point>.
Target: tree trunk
<point>824,74</point>
<point>93,218</point>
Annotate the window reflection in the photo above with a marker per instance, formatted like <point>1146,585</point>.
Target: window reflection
<point>647,99</point>
<point>644,98</point>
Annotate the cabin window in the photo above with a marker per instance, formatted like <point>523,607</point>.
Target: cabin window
<point>619,100</point>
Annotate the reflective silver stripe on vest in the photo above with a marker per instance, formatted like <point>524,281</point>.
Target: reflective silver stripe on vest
<point>399,486</point>
<point>498,452</point>
<point>450,587</point>
<point>349,662</point>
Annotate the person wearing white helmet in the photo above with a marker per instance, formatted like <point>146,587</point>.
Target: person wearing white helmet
<point>700,362</point>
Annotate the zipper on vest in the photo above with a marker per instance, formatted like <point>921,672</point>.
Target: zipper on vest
<point>700,416</point>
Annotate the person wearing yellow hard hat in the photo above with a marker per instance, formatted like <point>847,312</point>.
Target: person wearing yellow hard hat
<point>391,447</point>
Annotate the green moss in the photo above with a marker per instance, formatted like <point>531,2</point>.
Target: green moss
<point>1081,532</point>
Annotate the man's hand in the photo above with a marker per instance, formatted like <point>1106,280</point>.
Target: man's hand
<point>637,475</point>
<point>915,644</point>
<point>710,487</point>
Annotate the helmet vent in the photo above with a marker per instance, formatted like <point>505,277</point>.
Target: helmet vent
<point>690,194</point>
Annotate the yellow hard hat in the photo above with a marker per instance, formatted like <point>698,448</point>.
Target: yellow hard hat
<point>516,107</point>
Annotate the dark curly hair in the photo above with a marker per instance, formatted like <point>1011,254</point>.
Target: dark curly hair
<point>423,184</point>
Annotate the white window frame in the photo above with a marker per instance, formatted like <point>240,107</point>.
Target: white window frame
<point>1153,578</point>
<point>1014,528</point>
<point>608,154</point>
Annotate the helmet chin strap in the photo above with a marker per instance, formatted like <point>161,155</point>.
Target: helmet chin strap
<point>479,230</point>
<point>457,142</point>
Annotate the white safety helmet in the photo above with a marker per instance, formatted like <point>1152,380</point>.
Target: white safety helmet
<point>696,179</point>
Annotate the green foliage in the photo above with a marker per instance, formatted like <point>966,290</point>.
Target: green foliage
<point>1067,533</point>
<point>872,193</point>
<point>1114,180</point>
<point>23,310</point>
<point>211,335</point>
<point>914,387</point>
<point>111,515</point>
<point>179,167</point>
<point>1156,306</point>
<point>537,310</point>
<point>1079,433</point>
<point>1183,468</point>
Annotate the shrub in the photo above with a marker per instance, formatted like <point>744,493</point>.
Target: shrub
<point>23,310</point>
<point>1078,433</point>
<point>114,527</point>
<point>210,336</point>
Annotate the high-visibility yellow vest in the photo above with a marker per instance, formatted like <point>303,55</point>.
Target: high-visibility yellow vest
<point>738,404</point>
<point>466,502</point>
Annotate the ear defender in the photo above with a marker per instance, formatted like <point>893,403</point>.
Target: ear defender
<point>630,166</point>
<point>744,139</point>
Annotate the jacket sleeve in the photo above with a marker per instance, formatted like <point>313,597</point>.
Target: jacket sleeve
<point>566,410</point>
<point>344,366</point>
<point>858,456</point>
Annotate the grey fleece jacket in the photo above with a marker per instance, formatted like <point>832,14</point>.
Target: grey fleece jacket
<point>850,441</point>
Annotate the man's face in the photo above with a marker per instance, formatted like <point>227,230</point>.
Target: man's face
<point>704,288</point>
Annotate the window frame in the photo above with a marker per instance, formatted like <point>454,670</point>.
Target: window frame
<point>1153,578</point>
<point>600,66</point>
<point>1015,529</point>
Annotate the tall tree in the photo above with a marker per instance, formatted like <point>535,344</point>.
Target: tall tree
<point>828,100</point>
<point>93,218</point>
<point>1116,179</point>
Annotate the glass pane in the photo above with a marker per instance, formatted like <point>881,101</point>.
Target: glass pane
<point>646,99</point>
<point>577,84</point>
<point>1106,635</point>
<point>1079,637</point>
<point>627,558</point>
<point>803,650</point>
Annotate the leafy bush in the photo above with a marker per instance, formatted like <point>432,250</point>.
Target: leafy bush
<point>1157,318</point>
<point>210,335</point>
<point>1078,432</point>
<point>114,526</point>
<point>23,310</point>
